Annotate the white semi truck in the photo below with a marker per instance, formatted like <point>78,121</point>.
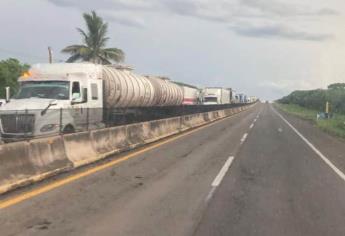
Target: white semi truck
<point>216,95</point>
<point>66,97</point>
<point>252,99</point>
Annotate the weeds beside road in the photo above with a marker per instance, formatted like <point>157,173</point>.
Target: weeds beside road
<point>334,126</point>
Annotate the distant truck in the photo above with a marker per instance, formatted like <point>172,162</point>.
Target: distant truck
<point>216,95</point>
<point>68,97</point>
<point>241,98</point>
<point>191,94</point>
<point>252,99</point>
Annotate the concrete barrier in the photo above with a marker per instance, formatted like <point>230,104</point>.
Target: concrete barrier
<point>173,126</point>
<point>212,116</point>
<point>152,130</point>
<point>229,112</point>
<point>22,163</point>
<point>159,129</point>
<point>135,135</point>
<point>79,148</point>
<point>109,140</point>
<point>118,138</point>
<point>191,121</point>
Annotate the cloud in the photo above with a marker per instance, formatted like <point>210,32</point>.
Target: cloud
<point>115,5</point>
<point>132,13</point>
<point>123,19</point>
<point>327,11</point>
<point>277,31</point>
<point>287,86</point>
<point>221,9</point>
<point>280,8</point>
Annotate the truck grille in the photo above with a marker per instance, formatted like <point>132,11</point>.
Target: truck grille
<point>17,123</point>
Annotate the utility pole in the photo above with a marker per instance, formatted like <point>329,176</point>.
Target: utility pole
<point>50,55</point>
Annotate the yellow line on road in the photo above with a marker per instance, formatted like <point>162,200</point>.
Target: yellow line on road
<point>58,183</point>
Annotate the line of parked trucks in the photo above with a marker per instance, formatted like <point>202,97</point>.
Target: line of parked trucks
<point>71,87</point>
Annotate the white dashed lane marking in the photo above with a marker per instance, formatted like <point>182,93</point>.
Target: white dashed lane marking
<point>244,137</point>
<point>216,182</point>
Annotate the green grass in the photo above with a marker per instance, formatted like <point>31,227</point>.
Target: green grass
<point>334,126</point>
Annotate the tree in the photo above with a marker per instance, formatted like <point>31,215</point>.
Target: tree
<point>93,49</point>
<point>316,99</point>
<point>337,86</point>
<point>10,70</point>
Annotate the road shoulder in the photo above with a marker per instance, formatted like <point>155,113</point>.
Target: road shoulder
<point>331,146</point>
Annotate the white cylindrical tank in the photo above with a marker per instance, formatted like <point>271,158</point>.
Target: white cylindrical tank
<point>122,88</point>
<point>167,93</point>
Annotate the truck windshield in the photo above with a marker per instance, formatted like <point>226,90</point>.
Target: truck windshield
<point>210,99</point>
<point>44,89</point>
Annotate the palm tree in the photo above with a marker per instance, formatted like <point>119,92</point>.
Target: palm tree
<point>93,49</point>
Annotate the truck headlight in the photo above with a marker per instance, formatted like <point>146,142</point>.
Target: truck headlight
<point>49,127</point>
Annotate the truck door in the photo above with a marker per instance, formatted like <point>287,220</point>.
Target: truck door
<point>79,105</point>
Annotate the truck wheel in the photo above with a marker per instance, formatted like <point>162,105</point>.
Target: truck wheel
<point>68,129</point>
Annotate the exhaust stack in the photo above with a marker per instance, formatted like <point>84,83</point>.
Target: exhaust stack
<point>8,94</point>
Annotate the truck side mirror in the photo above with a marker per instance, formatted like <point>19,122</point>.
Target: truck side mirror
<point>75,96</point>
<point>78,98</point>
<point>84,94</point>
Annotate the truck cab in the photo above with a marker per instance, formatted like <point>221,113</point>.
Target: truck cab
<point>216,96</point>
<point>210,100</point>
<point>51,103</point>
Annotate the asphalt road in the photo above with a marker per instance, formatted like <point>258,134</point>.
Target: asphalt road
<point>250,174</point>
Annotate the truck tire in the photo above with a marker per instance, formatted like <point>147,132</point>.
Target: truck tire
<point>68,129</point>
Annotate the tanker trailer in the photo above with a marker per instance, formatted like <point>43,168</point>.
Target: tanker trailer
<point>68,97</point>
<point>191,94</point>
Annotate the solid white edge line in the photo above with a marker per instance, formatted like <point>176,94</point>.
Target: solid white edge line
<point>244,137</point>
<point>323,157</point>
<point>222,172</point>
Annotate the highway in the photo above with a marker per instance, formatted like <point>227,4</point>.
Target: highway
<point>255,173</point>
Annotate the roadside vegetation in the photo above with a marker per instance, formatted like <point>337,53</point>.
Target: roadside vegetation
<point>316,99</point>
<point>307,104</point>
<point>10,70</point>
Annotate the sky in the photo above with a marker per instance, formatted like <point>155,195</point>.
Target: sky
<point>265,48</point>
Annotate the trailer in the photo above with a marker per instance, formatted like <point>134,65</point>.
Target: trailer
<point>216,95</point>
<point>191,94</point>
